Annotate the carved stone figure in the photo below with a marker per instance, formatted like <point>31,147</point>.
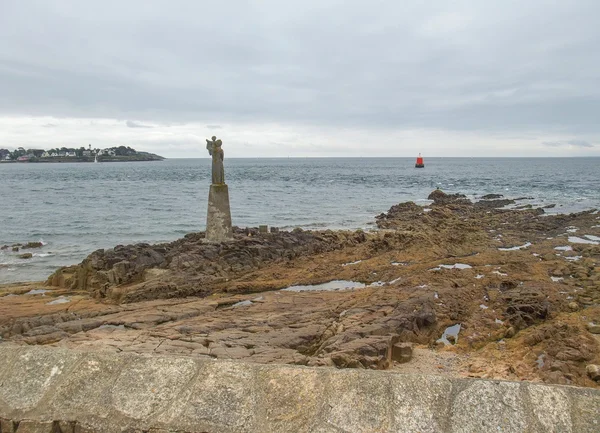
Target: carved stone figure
<point>215,150</point>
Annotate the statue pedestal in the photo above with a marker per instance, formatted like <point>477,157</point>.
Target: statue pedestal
<point>218,218</point>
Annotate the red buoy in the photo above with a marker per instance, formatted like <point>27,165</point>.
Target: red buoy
<point>419,163</point>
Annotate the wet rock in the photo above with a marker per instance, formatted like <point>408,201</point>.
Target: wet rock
<point>594,328</point>
<point>593,371</point>
<point>441,198</point>
<point>33,245</point>
<point>491,196</point>
<point>510,332</point>
<point>525,306</point>
<point>193,266</point>
<point>25,256</point>
<point>494,204</point>
<point>15,249</point>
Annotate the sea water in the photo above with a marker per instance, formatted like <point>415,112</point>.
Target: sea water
<point>76,208</point>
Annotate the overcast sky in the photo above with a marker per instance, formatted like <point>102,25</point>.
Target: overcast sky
<point>303,78</point>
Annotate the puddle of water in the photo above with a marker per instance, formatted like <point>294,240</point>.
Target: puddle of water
<point>499,322</point>
<point>455,266</point>
<point>540,360</point>
<point>399,264</point>
<point>377,284</point>
<point>59,300</point>
<point>37,292</point>
<point>327,287</point>
<point>483,307</point>
<point>578,240</point>
<point>452,332</point>
<point>518,247</point>
<point>395,281</point>
<point>260,298</point>
<point>556,279</point>
<point>352,263</point>
<point>479,276</point>
<point>500,273</point>
<point>245,303</point>
<point>573,258</point>
<point>592,237</point>
<point>565,248</point>
<point>572,230</point>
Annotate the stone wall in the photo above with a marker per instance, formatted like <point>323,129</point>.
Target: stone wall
<point>51,390</point>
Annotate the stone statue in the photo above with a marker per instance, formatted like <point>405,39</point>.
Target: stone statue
<point>214,149</point>
<point>218,215</point>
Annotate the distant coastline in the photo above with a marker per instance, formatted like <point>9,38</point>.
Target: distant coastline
<point>64,154</point>
<point>140,157</point>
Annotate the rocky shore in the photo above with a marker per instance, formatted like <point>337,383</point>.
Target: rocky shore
<point>453,288</point>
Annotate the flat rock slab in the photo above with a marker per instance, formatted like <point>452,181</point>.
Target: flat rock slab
<point>51,389</point>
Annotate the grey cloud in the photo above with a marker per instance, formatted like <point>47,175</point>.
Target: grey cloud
<point>576,143</point>
<point>468,65</point>
<point>580,143</point>
<point>132,124</point>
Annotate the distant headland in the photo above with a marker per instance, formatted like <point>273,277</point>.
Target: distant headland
<point>65,154</point>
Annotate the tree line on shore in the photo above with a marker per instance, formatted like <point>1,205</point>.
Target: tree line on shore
<point>82,152</point>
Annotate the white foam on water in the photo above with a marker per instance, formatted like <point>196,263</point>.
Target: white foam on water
<point>564,248</point>
<point>519,247</point>
<point>578,240</point>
